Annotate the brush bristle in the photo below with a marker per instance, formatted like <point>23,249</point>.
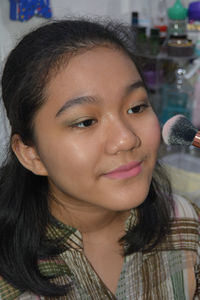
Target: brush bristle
<point>178,131</point>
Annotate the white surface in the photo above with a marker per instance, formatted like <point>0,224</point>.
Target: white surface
<point>184,172</point>
<point>183,161</point>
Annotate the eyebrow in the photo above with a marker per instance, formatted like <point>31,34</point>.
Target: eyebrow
<point>89,99</point>
<point>134,86</point>
<point>74,102</point>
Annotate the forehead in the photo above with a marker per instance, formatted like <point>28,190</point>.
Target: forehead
<point>92,68</point>
<point>102,73</point>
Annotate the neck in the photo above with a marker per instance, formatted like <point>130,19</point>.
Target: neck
<point>89,219</point>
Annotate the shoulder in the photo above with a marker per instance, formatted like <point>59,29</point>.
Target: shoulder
<point>185,209</point>
<point>185,221</point>
<point>185,224</point>
<point>8,292</point>
<point>184,233</point>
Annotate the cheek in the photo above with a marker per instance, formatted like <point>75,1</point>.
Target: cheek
<point>66,157</point>
<point>152,134</point>
<point>155,132</point>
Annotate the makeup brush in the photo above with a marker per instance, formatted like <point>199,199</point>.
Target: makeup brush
<point>180,131</point>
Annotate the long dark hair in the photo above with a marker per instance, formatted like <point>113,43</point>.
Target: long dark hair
<point>24,211</point>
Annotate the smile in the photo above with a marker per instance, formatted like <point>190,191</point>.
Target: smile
<point>129,170</point>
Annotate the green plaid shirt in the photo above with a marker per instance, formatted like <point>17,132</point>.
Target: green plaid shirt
<point>163,273</point>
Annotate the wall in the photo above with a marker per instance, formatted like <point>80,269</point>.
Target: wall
<point>10,31</point>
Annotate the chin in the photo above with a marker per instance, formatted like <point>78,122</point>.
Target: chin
<point>125,203</point>
<point>130,197</point>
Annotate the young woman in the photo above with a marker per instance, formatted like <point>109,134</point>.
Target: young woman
<point>85,210</point>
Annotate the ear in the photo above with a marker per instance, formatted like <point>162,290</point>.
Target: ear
<point>28,156</point>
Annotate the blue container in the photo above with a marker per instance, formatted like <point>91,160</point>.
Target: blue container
<point>23,10</point>
<point>194,11</point>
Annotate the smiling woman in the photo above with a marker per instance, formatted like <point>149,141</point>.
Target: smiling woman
<point>85,209</point>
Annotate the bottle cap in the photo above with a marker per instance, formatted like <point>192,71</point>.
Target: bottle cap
<point>134,16</point>
<point>141,30</point>
<point>155,32</point>
<point>162,28</point>
<point>177,11</point>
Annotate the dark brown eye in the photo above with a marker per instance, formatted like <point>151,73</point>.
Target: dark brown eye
<point>85,123</point>
<point>137,109</point>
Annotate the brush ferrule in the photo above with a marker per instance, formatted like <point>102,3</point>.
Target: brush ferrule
<point>196,141</point>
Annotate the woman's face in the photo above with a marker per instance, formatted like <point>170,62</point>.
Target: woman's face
<point>97,135</point>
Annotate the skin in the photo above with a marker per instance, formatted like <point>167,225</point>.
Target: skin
<point>78,144</point>
<point>76,158</point>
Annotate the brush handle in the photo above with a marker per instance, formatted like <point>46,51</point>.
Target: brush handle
<point>196,141</point>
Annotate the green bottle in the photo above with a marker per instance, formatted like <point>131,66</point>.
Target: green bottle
<point>177,15</point>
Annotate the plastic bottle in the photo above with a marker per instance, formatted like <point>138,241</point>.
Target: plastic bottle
<point>145,18</point>
<point>161,18</point>
<point>178,43</point>
<point>154,41</point>
<point>177,15</point>
<point>134,18</point>
<point>141,40</point>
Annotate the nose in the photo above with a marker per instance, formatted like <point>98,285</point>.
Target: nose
<point>120,137</point>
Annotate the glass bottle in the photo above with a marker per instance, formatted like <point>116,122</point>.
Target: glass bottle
<point>154,41</point>
<point>177,97</point>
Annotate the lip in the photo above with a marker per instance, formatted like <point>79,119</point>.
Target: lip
<point>125,171</point>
